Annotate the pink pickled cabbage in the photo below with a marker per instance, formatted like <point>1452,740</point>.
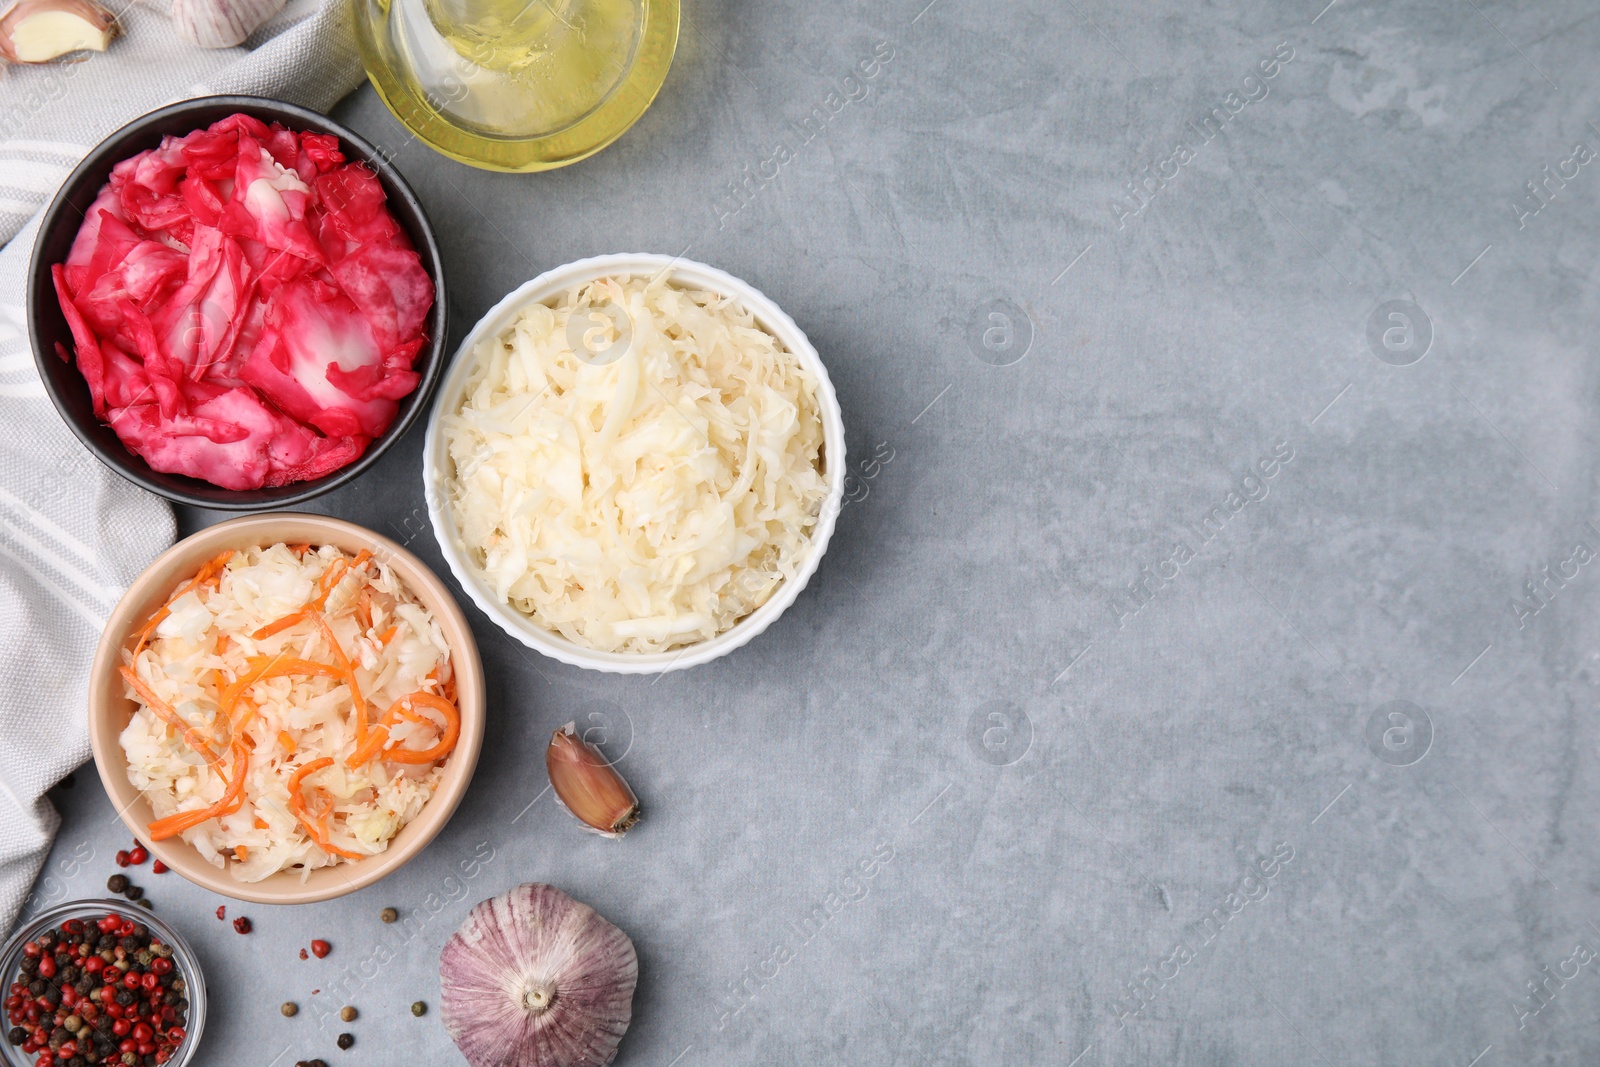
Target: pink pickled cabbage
<point>244,308</point>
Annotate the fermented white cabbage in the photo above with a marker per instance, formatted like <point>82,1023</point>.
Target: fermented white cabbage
<point>636,467</point>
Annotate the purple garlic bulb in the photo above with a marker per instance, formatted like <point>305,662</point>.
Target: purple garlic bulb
<point>536,979</point>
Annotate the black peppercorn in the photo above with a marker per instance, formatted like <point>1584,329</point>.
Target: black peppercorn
<point>117,883</point>
<point>128,944</point>
<point>133,892</point>
<point>29,965</point>
<point>17,1035</point>
<point>124,997</point>
<point>36,987</point>
<point>344,1041</point>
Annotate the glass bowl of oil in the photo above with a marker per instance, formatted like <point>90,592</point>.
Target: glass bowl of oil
<point>517,85</point>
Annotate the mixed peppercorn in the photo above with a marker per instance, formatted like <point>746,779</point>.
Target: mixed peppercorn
<point>97,992</point>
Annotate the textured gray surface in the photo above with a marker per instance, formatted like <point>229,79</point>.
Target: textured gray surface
<point>994,541</point>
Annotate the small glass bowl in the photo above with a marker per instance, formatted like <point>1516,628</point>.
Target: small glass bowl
<point>183,959</point>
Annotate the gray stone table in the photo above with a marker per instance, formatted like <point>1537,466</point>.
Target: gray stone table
<point>1205,667</point>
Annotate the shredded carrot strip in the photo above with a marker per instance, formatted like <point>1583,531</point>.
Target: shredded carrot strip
<point>325,585</point>
<point>231,801</point>
<point>261,824</point>
<point>279,625</point>
<point>300,549</point>
<point>364,609</point>
<point>288,742</point>
<point>359,703</point>
<point>169,715</point>
<point>210,570</point>
<point>317,828</point>
<point>447,738</point>
<point>388,635</point>
<point>241,852</point>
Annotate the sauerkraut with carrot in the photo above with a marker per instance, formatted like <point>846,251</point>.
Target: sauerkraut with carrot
<point>296,706</point>
<point>637,467</point>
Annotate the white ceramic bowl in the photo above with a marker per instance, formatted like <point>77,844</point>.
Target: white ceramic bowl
<point>436,466</point>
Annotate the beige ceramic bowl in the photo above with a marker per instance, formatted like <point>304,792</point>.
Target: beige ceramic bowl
<point>109,709</point>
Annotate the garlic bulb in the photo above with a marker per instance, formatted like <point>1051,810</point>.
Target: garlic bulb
<point>535,979</point>
<point>37,31</point>
<point>221,23</point>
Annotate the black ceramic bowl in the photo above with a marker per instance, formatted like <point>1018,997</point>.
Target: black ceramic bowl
<point>47,325</point>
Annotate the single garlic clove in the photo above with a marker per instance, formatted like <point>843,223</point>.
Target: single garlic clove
<point>37,31</point>
<point>588,786</point>
<point>221,23</point>
<point>536,979</point>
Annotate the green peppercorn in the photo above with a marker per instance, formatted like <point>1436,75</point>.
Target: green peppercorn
<point>347,1014</point>
<point>389,915</point>
<point>290,1009</point>
<point>419,1009</point>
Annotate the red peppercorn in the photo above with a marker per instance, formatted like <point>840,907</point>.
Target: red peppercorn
<point>131,980</point>
<point>158,867</point>
<point>137,855</point>
<point>141,1032</point>
<point>303,954</point>
<point>176,1035</point>
<point>32,950</point>
<point>123,858</point>
<point>320,948</point>
<point>161,965</point>
<point>151,982</point>
<point>121,1027</point>
<point>222,911</point>
<point>93,965</point>
<point>241,925</point>
<point>47,966</point>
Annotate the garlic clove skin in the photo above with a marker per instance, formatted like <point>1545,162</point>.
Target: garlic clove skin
<point>37,31</point>
<point>536,979</point>
<point>588,786</point>
<point>221,23</point>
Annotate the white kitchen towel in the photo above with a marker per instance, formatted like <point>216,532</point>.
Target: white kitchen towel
<point>73,535</point>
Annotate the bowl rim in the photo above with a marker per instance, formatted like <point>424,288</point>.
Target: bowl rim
<point>544,287</point>
<point>55,915</point>
<point>156,583</point>
<point>132,467</point>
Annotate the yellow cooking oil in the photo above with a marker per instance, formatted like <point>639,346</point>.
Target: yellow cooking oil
<point>517,85</point>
